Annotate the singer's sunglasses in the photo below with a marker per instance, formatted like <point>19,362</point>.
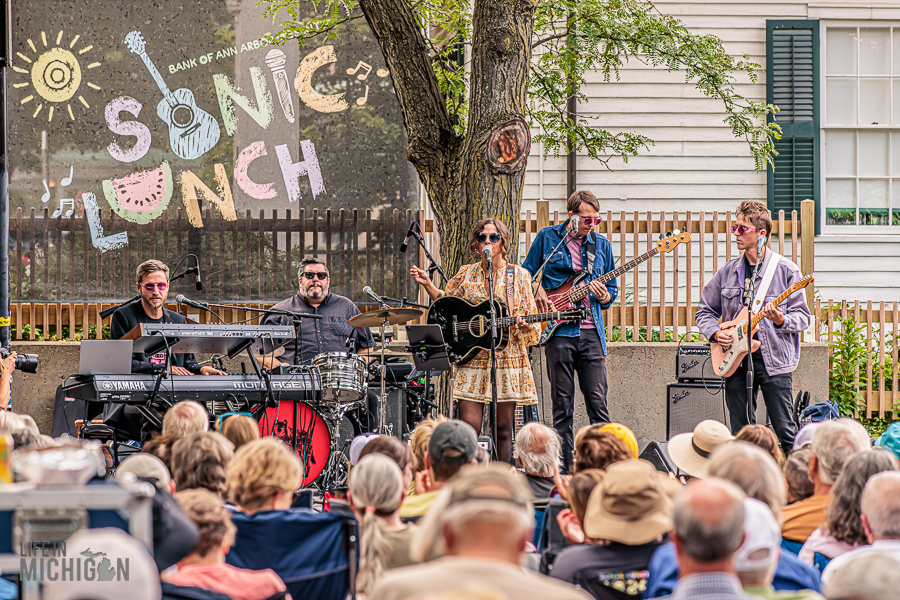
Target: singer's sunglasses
<point>321,276</point>
<point>742,229</point>
<point>150,287</point>
<point>591,221</point>
<point>483,237</point>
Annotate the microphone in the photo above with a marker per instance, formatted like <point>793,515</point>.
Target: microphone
<point>182,299</point>
<point>760,244</point>
<point>368,292</point>
<point>575,222</point>
<point>199,283</point>
<point>409,232</point>
<point>487,253</point>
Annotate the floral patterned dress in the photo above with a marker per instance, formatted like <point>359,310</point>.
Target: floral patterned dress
<point>515,382</point>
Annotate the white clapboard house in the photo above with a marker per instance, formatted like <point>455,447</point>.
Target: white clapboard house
<point>834,70</point>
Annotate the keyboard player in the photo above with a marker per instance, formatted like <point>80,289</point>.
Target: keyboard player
<point>153,286</point>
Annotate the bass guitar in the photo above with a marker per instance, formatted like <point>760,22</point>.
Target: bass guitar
<point>467,327</point>
<point>570,294</point>
<point>726,360</point>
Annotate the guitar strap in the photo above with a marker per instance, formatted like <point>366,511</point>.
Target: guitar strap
<point>759,298</point>
<point>590,244</point>
<point>510,288</point>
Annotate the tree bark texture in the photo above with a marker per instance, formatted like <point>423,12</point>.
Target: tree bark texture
<point>464,188</point>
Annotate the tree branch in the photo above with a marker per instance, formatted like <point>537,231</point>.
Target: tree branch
<point>428,126</point>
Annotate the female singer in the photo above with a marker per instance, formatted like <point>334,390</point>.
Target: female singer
<point>472,381</point>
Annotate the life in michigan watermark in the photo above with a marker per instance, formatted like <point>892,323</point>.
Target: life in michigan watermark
<point>47,561</point>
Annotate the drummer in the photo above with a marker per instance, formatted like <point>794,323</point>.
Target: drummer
<point>332,333</point>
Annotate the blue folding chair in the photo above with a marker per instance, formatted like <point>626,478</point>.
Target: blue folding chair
<point>315,554</point>
<point>820,561</point>
<point>791,546</point>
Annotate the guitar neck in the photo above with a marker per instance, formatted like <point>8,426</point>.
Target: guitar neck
<point>157,77</point>
<point>578,294</point>
<point>754,321</point>
<point>537,318</point>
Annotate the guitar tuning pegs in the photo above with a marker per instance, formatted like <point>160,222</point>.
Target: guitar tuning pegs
<point>677,232</point>
<point>668,234</point>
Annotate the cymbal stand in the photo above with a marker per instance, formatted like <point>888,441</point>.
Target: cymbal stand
<point>382,416</point>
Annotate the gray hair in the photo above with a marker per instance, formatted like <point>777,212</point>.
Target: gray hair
<point>311,261</point>
<point>537,448</point>
<point>462,518</point>
<point>880,503</point>
<point>376,489</point>
<point>753,470</point>
<point>709,519</point>
<point>185,417</point>
<point>834,442</point>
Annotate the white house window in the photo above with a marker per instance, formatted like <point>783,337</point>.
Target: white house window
<point>861,127</point>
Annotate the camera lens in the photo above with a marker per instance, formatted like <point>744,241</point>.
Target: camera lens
<point>27,363</point>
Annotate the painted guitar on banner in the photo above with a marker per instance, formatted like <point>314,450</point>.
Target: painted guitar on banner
<point>726,360</point>
<point>192,131</point>
<point>570,294</point>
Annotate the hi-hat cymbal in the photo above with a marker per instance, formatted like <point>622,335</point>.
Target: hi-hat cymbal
<point>393,316</point>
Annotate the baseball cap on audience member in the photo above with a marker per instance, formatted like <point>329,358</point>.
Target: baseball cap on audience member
<point>872,576</point>
<point>357,445</point>
<point>762,538</point>
<point>117,546</point>
<point>624,434</point>
<point>890,439</point>
<point>690,451</point>
<point>145,466</point>
<point>457,435</point>
<point>804,437</point>
<point>631,505</point>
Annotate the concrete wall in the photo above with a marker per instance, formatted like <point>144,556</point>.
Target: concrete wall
<point>638,374</point>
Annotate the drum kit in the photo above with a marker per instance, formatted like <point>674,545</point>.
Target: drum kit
<point>345,379</point>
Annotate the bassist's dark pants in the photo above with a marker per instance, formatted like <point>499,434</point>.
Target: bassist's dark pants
<point>565,357</point>
<point>776,394</point>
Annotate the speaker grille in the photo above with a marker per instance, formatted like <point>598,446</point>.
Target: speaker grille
<point>689,403</point>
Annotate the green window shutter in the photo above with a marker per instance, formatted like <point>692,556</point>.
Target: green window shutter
<point>792,84</point>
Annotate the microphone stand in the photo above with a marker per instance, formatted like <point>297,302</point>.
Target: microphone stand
<point>748,301</point>
<point>433,266</point>
<point>402,302</point>
<point>490,275</point>
<point>549,256</point>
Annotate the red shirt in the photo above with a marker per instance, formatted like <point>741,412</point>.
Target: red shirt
<point>239,584</point>
<point>574,246</point>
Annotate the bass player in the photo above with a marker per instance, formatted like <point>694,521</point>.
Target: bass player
<point>575,347</point>
<point>512,287</point>
<point>779,332</point>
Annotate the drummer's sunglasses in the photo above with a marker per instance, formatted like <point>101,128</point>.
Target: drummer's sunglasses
<point>483,237</point>
<point>322,276</point>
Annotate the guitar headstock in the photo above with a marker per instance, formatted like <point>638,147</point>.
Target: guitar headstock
<point>802,283</point>
<point>671,240</point>
<point>135,42</point>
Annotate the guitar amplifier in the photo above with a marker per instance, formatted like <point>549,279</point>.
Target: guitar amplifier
<point>688,403</point>
<point>693,362</point>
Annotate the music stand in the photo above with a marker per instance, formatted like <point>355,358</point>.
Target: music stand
<point>429,351</point>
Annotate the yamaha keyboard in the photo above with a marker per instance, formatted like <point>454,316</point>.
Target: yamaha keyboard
<point>137,388</point>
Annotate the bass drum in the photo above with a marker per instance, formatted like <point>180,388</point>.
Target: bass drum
<point>314,439</point>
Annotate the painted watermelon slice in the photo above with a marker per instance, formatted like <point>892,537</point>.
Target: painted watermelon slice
<point>140,197</point>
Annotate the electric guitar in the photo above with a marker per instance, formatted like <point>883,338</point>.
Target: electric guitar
<point>192,131</point>
<point>727,359</point>
<point>569,294</point>
<point>467,327</point>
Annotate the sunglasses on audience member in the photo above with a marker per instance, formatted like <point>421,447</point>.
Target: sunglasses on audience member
<point>742,229</point>
<point>155,286</point>
<point>591,221</point>
<point>321,276</point>
<point>483,237</point>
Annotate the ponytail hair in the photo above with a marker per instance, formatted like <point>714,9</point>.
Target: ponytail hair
<point>376,490</point>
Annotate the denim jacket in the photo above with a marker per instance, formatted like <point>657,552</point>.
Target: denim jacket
<point>780,346</point>
<point>559,268</point>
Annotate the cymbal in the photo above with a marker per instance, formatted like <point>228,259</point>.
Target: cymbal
<point>393,316</point>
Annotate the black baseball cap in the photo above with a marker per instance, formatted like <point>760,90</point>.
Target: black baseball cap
<point>457,435</point>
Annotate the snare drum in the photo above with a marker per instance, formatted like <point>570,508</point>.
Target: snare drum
<point>343,376</point>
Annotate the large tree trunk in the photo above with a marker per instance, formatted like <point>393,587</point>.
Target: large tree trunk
<point>463,186</point>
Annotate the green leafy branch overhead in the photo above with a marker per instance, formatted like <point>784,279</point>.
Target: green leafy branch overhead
<point>571,38</point>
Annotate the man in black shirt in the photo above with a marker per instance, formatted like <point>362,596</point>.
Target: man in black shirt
<point>153,286</point>
<point>329,334</point>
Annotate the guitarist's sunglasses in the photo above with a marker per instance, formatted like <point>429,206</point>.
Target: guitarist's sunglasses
<point>483,237</point>
<point>591,221</point>
<point>742,229</point>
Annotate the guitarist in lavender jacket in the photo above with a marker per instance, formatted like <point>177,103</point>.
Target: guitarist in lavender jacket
<point>581,346</point>
<point>779,332</point>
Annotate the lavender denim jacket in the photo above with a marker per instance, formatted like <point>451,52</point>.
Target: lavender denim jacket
<point>721,297</point>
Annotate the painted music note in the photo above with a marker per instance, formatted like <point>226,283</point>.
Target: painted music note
<point>364,99</point>
<point>46,197</point>
<point>382,72</point>
<point>361,65</point>
<point>63,202</point>
<point>67,181</point>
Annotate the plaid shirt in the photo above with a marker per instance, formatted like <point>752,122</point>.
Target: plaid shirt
<point>710,586</point>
